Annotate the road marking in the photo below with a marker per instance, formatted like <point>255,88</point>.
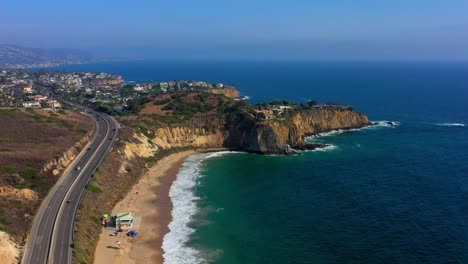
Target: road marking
<point>67,194</point>
<point>46,206</point>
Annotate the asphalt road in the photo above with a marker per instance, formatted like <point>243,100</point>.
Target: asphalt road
<point>51,236</point>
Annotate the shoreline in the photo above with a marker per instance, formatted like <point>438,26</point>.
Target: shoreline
<point>148,199</point>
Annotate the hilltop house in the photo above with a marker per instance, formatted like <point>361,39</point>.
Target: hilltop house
<point>28,89</point>
<point>32,104</point>
<point>39,98</point>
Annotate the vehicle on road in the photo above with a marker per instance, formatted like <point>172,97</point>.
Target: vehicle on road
<point>78,168</point>
<point>69,201</point>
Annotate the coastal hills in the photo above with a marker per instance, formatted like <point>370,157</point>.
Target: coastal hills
<point>13,56</point>
<point>37,145</point>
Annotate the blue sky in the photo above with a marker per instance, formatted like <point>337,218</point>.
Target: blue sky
<point>295,29</point>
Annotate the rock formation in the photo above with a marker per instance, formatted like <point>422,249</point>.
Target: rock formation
<point>244,132</point>
<point>228,91</point>
<point>271,136</point>
<point>62,161</point>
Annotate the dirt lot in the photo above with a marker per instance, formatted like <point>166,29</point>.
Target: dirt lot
<point>29,139</point>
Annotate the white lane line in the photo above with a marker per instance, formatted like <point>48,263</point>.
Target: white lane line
<point>60,213</point>
<point>45,205</point>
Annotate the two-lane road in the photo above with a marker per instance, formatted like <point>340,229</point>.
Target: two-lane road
<point>52,231</point>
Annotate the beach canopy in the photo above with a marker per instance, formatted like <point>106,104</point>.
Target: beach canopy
<point>133,233</point>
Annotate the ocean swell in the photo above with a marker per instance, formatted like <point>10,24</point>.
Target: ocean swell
<point>451,124</point>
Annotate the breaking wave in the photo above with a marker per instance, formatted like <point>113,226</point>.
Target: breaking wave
<point>330,147</point>
<point>375,124</point>
<point>391,124</point>
<point>183,197</point>
<point>222,153</point>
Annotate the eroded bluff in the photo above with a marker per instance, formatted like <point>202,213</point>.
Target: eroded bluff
<point>243,131</point>
<point>271,136</point>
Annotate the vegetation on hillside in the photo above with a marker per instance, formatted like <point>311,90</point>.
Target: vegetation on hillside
<point>29,139</point>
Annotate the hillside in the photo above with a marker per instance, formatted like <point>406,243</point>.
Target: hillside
<point>16,56</point>
<point>35,148</point>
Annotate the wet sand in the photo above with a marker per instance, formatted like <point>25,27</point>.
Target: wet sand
<point>148,199</point>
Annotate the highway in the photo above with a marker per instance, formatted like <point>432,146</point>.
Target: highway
<point>51,236</point>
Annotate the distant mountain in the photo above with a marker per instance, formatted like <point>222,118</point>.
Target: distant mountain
<point>16,56</point>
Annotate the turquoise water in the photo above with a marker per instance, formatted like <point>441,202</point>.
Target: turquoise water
<point>380,195</point>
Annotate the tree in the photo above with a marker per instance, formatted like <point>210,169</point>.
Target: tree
<point>312,103</point>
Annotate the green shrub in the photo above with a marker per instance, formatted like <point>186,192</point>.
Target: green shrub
<point>28,173</point>
<point>9,169</point>
<point>3,218</point>
<point>11,113</point>
<point>93,188</point>
<point>203,96</point>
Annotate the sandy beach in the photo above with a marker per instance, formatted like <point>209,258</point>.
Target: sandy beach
<point>149,201</point>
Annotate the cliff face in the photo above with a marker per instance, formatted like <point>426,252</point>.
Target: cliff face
<point>61,162</point>
<point>144,146</point>
<point>230,92</point>
<point>270,136</point>
<point>243,132</point>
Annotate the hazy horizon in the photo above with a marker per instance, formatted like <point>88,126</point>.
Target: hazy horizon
<point>264,30</point>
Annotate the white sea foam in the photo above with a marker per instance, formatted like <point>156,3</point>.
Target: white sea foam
<point>375,124</point>
<point>451,124</point>
<point>327,148</point>
<point>391,124</point>
<point>222,153</point>
<point>242,98</point>
<point>184,208</point>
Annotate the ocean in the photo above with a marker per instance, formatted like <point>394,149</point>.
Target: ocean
<point>384,194</point>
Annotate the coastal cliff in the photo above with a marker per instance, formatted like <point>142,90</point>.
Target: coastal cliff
<point>271,136</point>
<point>229,91</point>
<point>234,125</point>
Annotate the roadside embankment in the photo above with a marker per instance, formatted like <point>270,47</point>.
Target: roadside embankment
<point>36,146</point>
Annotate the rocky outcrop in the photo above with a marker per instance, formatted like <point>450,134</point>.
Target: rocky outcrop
<point>228,91</point>
<point>57,165</point>
<point>9,252</point>
<point>244,132</point>
<point>271,136</point>
<point>170,137</point>
<point>10,193</point>
<point>144,146</point>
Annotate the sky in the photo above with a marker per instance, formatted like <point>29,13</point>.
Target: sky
<point>243,29</point>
